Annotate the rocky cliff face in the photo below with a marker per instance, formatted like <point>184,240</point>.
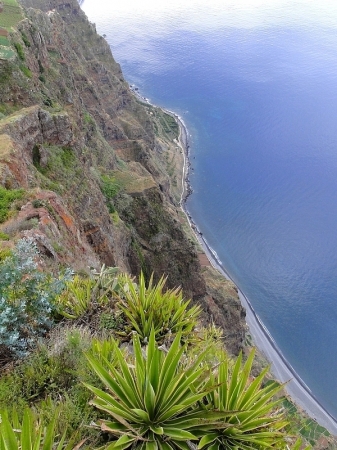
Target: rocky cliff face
<point>100,170</point>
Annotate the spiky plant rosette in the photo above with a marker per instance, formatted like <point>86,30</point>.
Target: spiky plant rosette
<point>153,307</point>
<point>253,417</point>
<point>153,404</point>
<point>32,433</point>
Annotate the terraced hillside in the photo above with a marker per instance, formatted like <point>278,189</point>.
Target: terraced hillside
<point>10,16</point>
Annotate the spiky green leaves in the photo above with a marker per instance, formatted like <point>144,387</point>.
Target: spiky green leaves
<point>151,307</point>
<point>84,294</point>
<point>159,401</point>
<point>31,433</point>
<point>152,402</point>
<point>253,420</point>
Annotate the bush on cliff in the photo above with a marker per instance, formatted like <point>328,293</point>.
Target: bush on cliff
<point>27,298</point>
<point>7,197</point>
<point>181,394</point>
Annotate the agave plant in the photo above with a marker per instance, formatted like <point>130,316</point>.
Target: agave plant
<point>82,294</point>
<point>31,434</point>
<point>151,307</point>
<point>153,404</point>
<point>104,350</point>
<point>252,419</point>
<point>76,298</point>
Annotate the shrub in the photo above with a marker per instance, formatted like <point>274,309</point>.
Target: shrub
<point>83,295</point>
<point>50,377</point>
<point>19,50</point>
<point>147,308</point>
<point>77,298</point>
<point>104,350</point>
<point>110,188</point>
<point>47,101</point>
<point>25,39</point>
<point>38,203</point>
<point>67,157</point>
<point>26,71</point>
<point>41,68</point>
<point>4,236</point>
<point>160,400</point>
<point>26,298</point>
<point>88,119</point>
<point>5,253</point>
<point>111,321</point>
<point>7,197</point>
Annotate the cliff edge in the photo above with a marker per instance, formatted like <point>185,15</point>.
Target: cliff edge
<point>98,170</point>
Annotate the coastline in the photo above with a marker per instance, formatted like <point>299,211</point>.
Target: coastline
<point>280,367</point>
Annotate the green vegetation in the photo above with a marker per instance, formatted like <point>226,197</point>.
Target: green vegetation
<point>11,14</point>
<point>307,428</point>
<point>4,41</point>
<point>19,50</point>
<point>60,173</point>
<point>171,165</point>
<point>248,409</point>
<point>7,109</point>
<point>10,2</point>
<point>6,53</point>
<point>83,296</point>
<point>7,198</point>
<point>26,299</point>
<point>88,119</point>
<point>41,68</point>
<point>31,433</point>
<point>50,379</point>
<point>110,188</point>
<point>4,236</point>
<point>157,401</point>
<point>152,308</point>
<point>169,124</point>
<point>170,386</point>
<point>154,401</point>
<point>47,101</point>
<point>25,39</point>
<point>5,253</point>
<point>26,71</point>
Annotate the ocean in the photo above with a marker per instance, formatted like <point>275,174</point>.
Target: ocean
<point>256,83</point>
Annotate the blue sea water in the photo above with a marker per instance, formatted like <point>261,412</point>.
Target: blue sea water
<point>256,83</point>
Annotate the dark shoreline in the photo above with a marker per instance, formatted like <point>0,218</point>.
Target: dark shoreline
<point>312,406</point>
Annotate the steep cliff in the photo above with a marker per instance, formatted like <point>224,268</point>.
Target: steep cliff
<point>100,170</point>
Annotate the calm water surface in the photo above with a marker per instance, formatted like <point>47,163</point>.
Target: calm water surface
<point>256,83</point>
